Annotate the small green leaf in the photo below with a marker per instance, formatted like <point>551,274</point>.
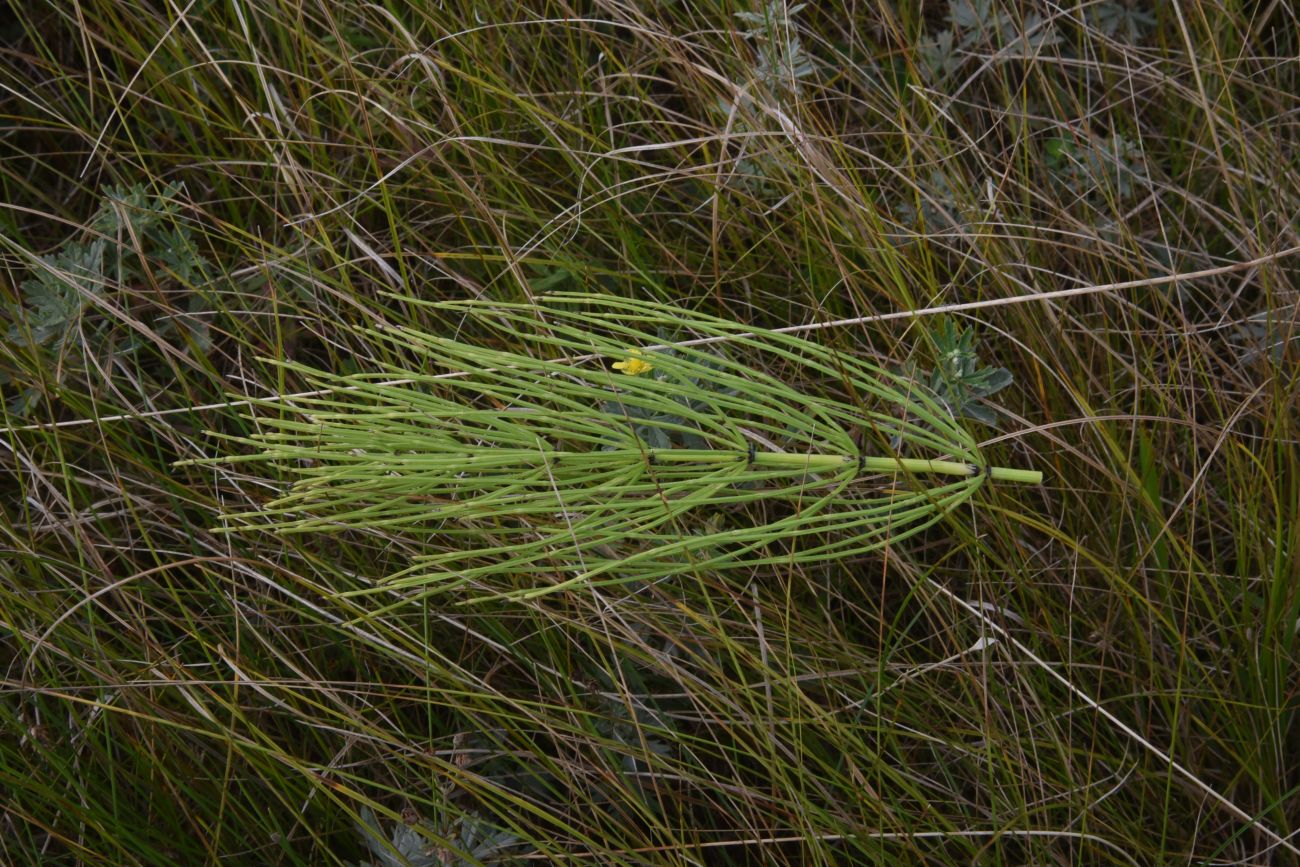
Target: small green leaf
<point>654,437</point>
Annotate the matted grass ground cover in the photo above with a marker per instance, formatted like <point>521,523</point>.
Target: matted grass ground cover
<point>649,433</point>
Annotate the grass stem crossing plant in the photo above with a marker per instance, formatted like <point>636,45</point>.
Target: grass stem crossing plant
<point>592,450</point>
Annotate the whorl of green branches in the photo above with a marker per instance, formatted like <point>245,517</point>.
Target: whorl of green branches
<point>742,448</point>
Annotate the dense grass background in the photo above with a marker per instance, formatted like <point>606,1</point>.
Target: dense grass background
<point>190,188</point>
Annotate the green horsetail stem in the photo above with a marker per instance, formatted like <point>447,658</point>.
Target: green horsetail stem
<point>590,468</point>
<point>812,462</point>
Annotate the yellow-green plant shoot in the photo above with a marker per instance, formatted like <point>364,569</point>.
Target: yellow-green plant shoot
<point>611,441</point>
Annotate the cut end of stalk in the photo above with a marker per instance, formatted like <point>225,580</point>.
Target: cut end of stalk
<point>1007,474</point>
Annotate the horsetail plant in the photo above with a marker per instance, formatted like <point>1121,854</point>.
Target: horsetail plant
<point>595,455</point>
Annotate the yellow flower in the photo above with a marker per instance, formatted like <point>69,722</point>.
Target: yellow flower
<point>634,366</point>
